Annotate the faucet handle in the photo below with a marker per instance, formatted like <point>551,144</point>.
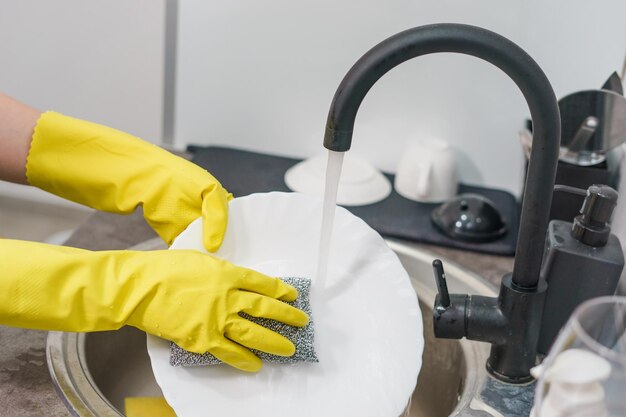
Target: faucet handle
<point>442,286</point>
<point>449,310</point>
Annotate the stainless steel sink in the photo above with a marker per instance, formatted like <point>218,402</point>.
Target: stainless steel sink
<point>95,372</point>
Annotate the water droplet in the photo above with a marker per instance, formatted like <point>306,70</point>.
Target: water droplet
<point>159,334</point>
<point>156,325</point>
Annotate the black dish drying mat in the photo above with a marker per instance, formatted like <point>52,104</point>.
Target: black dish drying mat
<point>243,173</point>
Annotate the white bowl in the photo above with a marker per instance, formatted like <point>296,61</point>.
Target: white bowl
<point>360,183</point>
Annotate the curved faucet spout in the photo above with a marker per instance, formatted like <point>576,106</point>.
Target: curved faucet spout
<point>518,65</point>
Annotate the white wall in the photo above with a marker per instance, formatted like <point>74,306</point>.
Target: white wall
<point>261,75</point>
<point>100,60</point>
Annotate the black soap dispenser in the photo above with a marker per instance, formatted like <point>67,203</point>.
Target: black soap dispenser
<point>582,260</point>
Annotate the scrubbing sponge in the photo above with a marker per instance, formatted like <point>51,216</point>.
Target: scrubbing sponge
<point>302,337</point>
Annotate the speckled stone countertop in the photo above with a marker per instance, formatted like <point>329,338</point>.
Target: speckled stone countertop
<point>26,389</point>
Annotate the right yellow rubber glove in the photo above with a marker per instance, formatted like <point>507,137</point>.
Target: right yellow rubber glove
<point>188,297</point>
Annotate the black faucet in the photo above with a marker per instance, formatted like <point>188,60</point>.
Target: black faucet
<point>511,321</point>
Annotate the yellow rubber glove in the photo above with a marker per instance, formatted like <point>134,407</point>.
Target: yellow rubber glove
<point>184,296</point>
<point>109,170</point>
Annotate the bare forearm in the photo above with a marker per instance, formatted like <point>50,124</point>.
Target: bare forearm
<point>17,121</point>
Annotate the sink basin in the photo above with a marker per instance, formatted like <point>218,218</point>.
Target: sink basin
<point>95,372</point>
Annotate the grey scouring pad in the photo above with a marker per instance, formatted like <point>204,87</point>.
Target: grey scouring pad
<point>302,337</point>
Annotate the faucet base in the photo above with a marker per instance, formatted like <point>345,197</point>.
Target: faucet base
<point>515,352</point>
<point>510,322</point>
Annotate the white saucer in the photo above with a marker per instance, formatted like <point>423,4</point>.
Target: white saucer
<point>360,183</point>
<point>368,327</point>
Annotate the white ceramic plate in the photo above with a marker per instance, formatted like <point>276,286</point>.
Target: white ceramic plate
<point>368,327</point>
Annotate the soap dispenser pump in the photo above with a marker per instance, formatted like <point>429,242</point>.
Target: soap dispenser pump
<point>582,260</point>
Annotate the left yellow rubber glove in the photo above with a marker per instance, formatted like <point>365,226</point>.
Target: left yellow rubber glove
<point>185,296</point>
<point>113,171</point>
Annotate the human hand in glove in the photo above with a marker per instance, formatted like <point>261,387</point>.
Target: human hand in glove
<point>188,297</point>
<point>113,171</point>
